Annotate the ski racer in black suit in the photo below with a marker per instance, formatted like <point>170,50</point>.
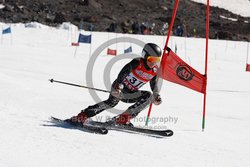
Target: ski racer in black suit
<point>126,88</point>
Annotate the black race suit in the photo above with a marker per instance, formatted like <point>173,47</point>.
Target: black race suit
<point>141,99</point>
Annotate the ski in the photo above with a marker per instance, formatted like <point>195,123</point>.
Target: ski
<point>103,127</point>
<point>83,127</point>
<point>132,129</point>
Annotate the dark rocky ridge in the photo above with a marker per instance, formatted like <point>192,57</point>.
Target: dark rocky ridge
<point>101,13</point>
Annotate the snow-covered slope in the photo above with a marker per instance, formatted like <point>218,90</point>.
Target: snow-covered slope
<point>31,56</point>
<point>240,7</point>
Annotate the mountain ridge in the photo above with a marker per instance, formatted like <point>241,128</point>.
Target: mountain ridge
<point>121,14</point>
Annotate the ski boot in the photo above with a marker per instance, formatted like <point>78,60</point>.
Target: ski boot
<point>123,119</point>
<point>80,118</point>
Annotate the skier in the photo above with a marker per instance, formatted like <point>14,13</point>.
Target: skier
<point>126,88</point>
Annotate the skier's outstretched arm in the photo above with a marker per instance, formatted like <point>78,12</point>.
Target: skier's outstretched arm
<point>154,87</point>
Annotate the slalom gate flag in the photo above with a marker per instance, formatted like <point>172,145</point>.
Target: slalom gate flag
<point>84,38</point>
<point>7,30</point>
<point>111,52</point>
<point>74,44</point>
<point>128,50</point>
<point>174,69</point>
<point>248,67</point>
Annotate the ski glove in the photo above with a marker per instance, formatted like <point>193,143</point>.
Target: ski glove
<point>157,99</point>
<point>116,90</point>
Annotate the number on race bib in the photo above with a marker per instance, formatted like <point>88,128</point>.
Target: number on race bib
<point>136,83</point>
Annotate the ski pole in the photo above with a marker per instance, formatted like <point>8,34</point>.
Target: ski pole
<point>81,86</point>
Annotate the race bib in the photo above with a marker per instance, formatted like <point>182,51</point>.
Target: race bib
<point>132,82</point>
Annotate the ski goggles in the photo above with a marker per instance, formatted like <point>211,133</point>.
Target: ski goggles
<point>153,59</point>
